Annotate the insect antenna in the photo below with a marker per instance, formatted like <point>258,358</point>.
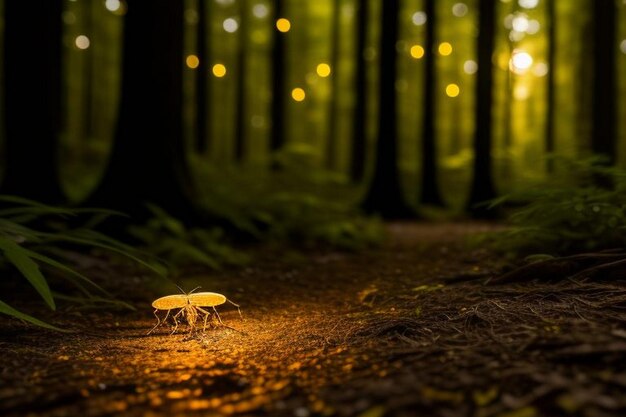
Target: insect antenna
<point>181,290</point>
<point>197,288</point>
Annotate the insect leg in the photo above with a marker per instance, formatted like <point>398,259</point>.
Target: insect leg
<point>176,321</point>
<point>158,320</point>
<point>206,316</point>
<point>236,305</point>
<point>218,316</point>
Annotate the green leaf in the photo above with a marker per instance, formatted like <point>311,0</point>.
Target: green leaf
<point>10,311</point>
<point>20,258</point>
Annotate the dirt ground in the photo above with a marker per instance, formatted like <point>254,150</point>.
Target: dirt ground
<point>409,329</point>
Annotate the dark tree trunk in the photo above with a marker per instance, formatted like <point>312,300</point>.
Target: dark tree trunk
<point>88,88</point>
<point>32,87</point>
<point>331,144</point>
<point>277,137</point>
<point>482,183</point>
<point>385,195</point>
<point>430,187</point>
<point>148,161</point>
<point>359,134</point>
<point>240,111</point>
<point>604,122</point>
<point>551,93</point>
<point>202,108</point>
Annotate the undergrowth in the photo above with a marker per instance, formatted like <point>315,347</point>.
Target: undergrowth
<point>582,208</point>
<point>33,237</point>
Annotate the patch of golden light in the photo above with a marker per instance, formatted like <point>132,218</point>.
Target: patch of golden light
<point>453,90</point>
<point>82,42</point>
<point>219,70</point>
<point>417,51</point>
<point>192,61</point>
<point>323,70</point>
<point>298,94</point>
<point>283,25</point>
<point>445,48</point>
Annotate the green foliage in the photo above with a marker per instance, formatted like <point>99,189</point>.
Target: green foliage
<point>168,238</point>
<point>296,204</point>
<point>583,208</point>
<point>31,235</point>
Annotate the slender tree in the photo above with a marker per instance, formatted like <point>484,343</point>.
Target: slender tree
<point>551,81</point>
<point>430,187</point>
<point>277,137</point>
<point>604,120</point>
<point>242,63</point>
<point>482,188</point>
<point>331,143</point>
<point>385,195</point>
<point>359,131</point>
<point>202,107</point>
<point>148,163</point>
<point>32,87</point>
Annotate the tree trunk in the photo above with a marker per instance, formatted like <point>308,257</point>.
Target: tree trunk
<point>604,122</point>
<point>277,136</point>
<point>32,86</point>
<point>482,183</point>
<point>385,195</point>
<point>202,108</point>
<point>148,161</point>
<point>331,143</point>
<point>240,111</point>
<point>430,187</point>
<point>359,134</point>
<point>551,93</point>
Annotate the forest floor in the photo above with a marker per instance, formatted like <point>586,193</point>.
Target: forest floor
<point>407,329</point>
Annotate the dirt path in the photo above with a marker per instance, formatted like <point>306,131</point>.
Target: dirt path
<point>403,330</point>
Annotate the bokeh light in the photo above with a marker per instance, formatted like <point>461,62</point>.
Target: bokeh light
<point>82,42</point>
<point>260,11</point>
<point>470,66</point>
<point>283,25</point>
<point>521,62</point>
<point>445,48</point>
<point>417,51</point>
<point>419,18</point>
<point>112,5</point>
<point>192,61</point>
<point>219,70</point>
<point>323,70</point>
<point>298,94</point>
<point>230,25</point>
<point>460,9</point>
<point>453,90</point>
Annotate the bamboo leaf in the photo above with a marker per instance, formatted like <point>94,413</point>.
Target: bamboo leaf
<point>10,311</point>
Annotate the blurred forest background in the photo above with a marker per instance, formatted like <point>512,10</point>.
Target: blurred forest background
<point>297,84</point>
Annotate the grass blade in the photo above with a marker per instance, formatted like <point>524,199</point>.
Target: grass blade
<point>10,311</point>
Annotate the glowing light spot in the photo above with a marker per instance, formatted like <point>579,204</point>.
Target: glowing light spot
<point>68,18</point>
<point>515,36</point>
<point>445,48</point>
<point>82,42</point>
<point>298,94</point>
<point>453,90</point>
<point>230,25</point>
<point>470,67</point>
<point>533,27</point>
<point>112,5</point>
<point>520,23</point>
<point>521,92</point>
<point>323,70</point>
<point>460,9</point>
<point>417,51</point>
<point>283,25</point>
<point>219,70</point>
<point>260,11</point>
<point>192,61</point>
<point>528,4</point>
<point>622,46</point>
<point>419,18</point>
<point>541,69</point>
<point>520,62</point>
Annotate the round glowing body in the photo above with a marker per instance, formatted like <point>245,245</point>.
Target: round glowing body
<point>200,299</point>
